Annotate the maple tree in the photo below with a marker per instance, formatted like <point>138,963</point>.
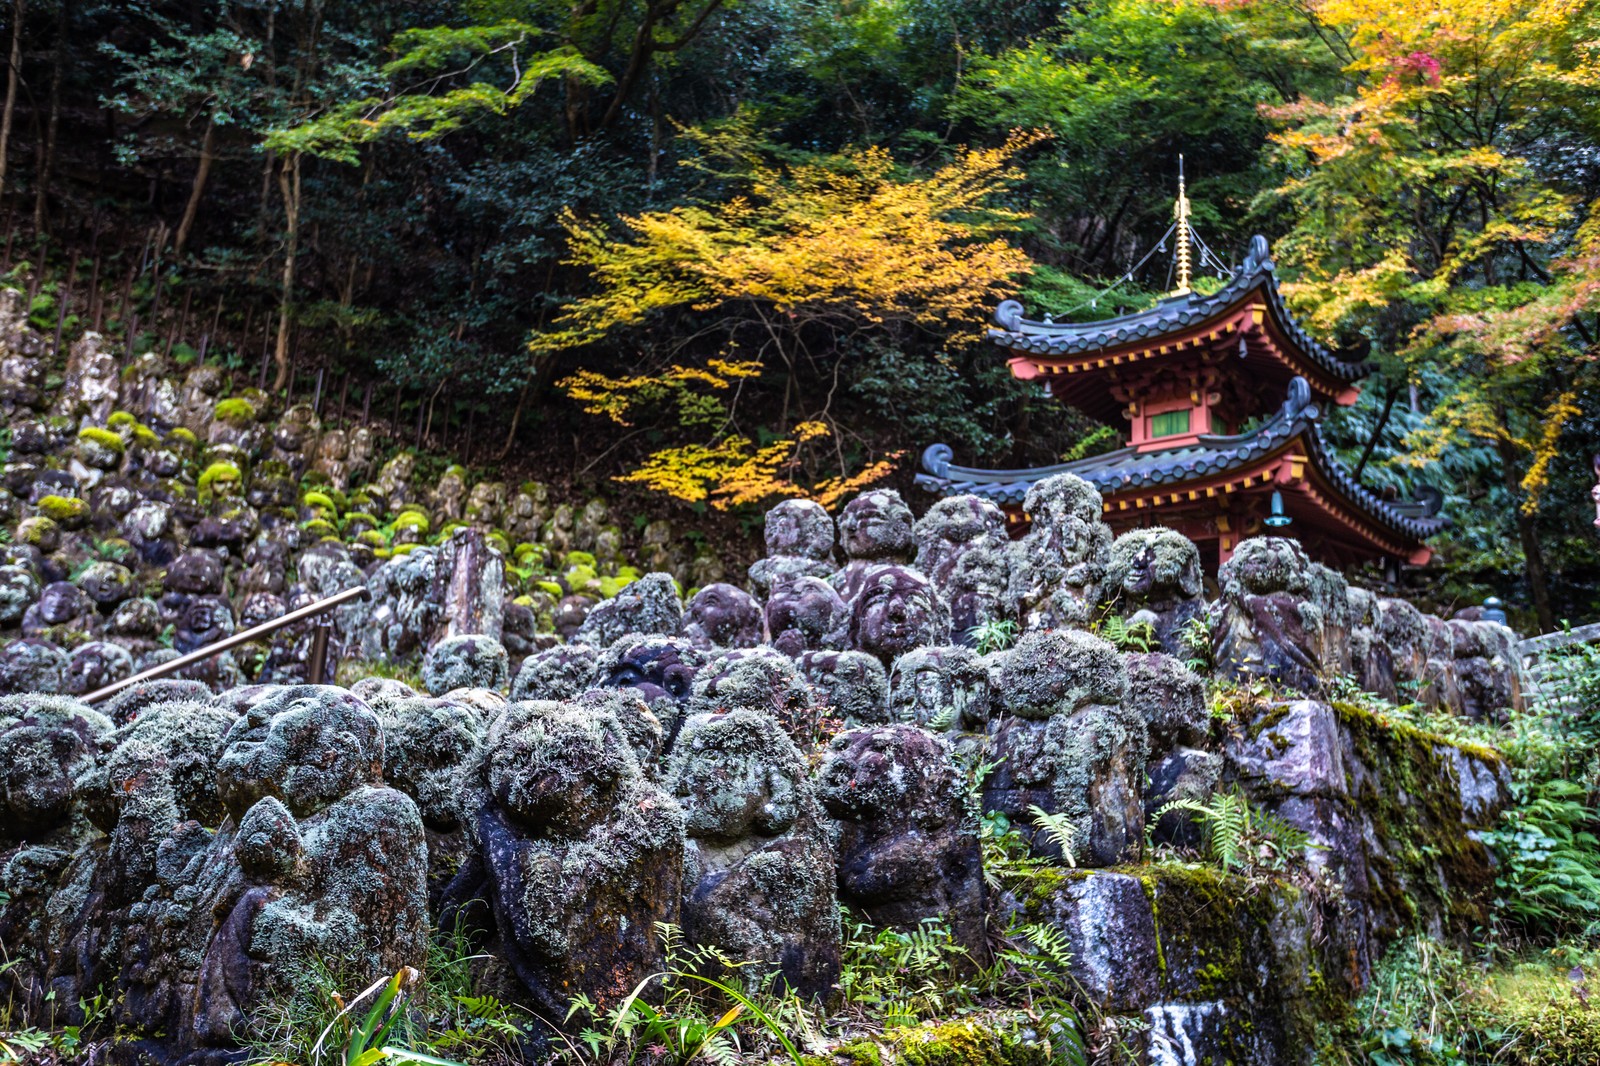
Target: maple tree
<point>799,259</point>
<point>1433,225</point>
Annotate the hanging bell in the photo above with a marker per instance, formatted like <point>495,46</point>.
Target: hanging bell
<point>1277,519</point>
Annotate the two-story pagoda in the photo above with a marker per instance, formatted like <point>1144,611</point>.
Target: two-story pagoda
<point>1221,397</point>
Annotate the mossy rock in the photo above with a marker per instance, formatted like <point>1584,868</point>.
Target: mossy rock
<point>550,587</point>
<point>403,549</point>
<point>103,437</point>
<point>220,473</point>
<point>320,501</point>
<point>321,529</point>
<point>415,520</point>
<point>497,540</point>
<point>610,586</point>
<point>178,435</point>
<point>577,558</point>
<point>39,530</point>
<point>69,512</point>
<point>372,539</point>
<point>121,420</point>
<point>235,411</point>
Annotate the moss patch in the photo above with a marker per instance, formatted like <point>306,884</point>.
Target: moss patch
<point>68,511</point>
<point>1425,865</point>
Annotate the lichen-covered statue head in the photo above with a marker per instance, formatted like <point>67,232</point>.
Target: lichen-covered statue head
<point>1154,574</point>
<point>907,847</point>
<point>1058,567</point>
<point>723,616</point>
<point>648,605</point>
<point>805,614</point>
<point>799,537</point>
<point>557,673</point>
<point>942,689</point>
<point>306,745</point>
<point>877,526</point>
<point>898,610</point>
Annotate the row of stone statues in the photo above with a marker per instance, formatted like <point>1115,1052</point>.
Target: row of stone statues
<point>736,767</point>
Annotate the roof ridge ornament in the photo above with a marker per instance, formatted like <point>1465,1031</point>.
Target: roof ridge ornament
<point>1259,258</point>
<point>1008,316</point>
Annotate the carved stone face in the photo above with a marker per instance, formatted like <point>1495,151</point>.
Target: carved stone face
<point>555,770</point>
<point>308,745</point>
<point>849,684</point>
<point>876,525</point>
<point>660,668</point>
<point>426,744</point>
<point>731,778</point>
<point>135,618</point>
<point>61,602</point>
<point>799,527</point>
<point>804,614</point>
<point>205,620</point>
<point>898,610</point>
<point>261,607</point>
<point>557,673</point>
<point>944,688</point>
<point>18,590</point>
<point>723,616</point>
<point>107,583</point>
<point>1264,565</point>
<point>37,767</point>
<point>885,773</point>
<point>1151,564</point>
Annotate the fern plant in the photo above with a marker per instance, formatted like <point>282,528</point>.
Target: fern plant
<point>1239,836</point>
<point>994,635</point>
<point>684,1027</point>
<point>1058,829</point>
<point>1196,637</point>
<point>1137,636</point>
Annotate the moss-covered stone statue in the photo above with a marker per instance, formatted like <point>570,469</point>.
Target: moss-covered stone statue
<point>943,689</point>
<point>1277,615</point>
<point>762,680</point>
<point>1153,575</point>
<point>1058,568</point>
<point>326,861</point>
<point>723,616</point>
<point>875,530</point>
<point>427,744</point>
<point>963,549</point>
<point>1070,745</point>
<point>648,605</point>
<point>805,614</point>
<point>851,686</point>
<point>759,882</point>
<point>896,610</point>
<point>799,539</point>
<point>576,859</point>
<point>557,673</point>
<point>907,846</point>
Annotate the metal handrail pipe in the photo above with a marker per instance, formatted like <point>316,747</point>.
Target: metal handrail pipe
<point>200,655</point>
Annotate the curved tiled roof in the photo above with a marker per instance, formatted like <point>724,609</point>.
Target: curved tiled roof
<point>1170,316</point>
<point>1129,468</point>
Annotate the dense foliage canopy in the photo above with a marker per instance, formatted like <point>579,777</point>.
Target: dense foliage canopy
<point>748,244</point>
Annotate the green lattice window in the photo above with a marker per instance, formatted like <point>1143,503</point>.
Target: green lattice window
<point>1169,423</point>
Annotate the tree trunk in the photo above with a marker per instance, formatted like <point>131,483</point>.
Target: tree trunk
<point>289,186</point>
<point>13,75</point>
<point>1532,552</point>
<point>47,158</point>
<point>198,189</point>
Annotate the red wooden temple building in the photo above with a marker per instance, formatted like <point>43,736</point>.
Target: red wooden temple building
<point>1185,378</point>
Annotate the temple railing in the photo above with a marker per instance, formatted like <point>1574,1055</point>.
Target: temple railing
<point>316,661</point>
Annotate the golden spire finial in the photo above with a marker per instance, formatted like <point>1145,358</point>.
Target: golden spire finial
<point>1181,212</point>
